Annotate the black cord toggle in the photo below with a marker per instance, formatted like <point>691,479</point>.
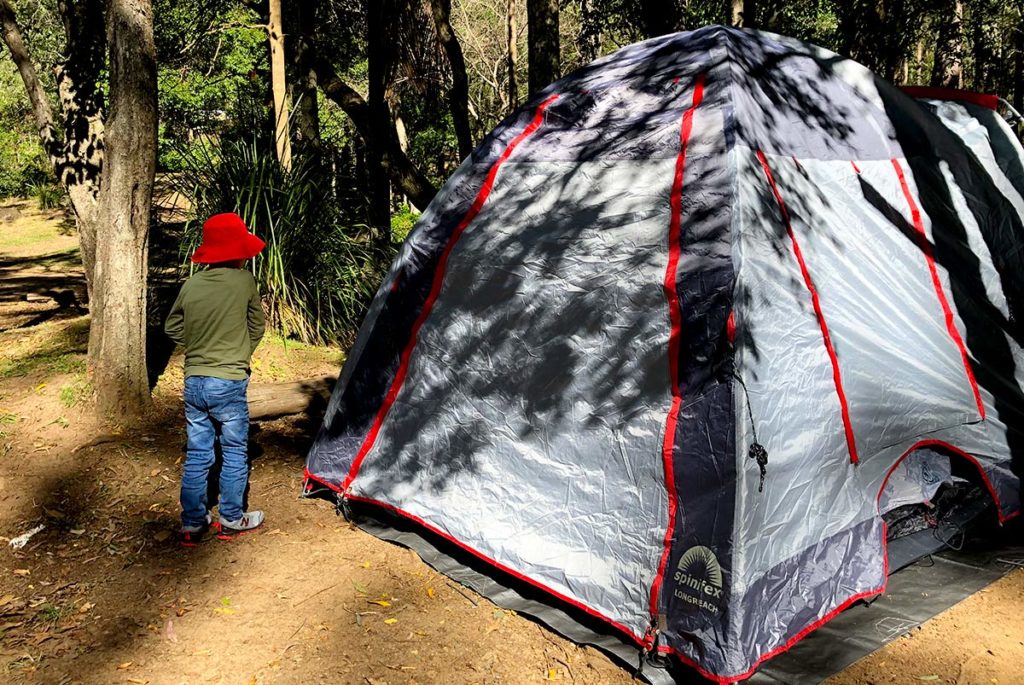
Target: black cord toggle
<point>758,453</point>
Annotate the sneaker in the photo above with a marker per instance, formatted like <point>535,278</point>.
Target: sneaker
<point>250,520</point>
<point>189,536</point>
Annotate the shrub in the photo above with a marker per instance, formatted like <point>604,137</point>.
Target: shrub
<point>318,272</point>
<point>48,195</point>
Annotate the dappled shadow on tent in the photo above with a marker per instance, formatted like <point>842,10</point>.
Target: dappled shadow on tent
<point>793,105</point>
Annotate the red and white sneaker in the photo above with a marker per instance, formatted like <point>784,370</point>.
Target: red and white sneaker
<point>249,521</point>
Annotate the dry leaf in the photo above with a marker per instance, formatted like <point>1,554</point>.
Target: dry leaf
<point>224,611</point>
<point>391,621</point>
<point>360,587</point>
<point>85,607</point>
<point>21,572</point>
<point>381,602</point>
<point>552,674</point>
<point>162,535</point>
<point>169,633</point>
<point>138,681</point>
<point>430,592</point>
<point>366,564</point>
<point>124,666</point>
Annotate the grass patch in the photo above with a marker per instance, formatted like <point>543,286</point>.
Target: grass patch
<point>7,419</point>
<point>58,347</point>
<point>74,393</point>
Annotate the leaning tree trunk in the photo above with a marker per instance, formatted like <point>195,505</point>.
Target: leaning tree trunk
<point>118,358</point>
<point>544,48</point>
<point>948,65</point>
<point>458,98</point>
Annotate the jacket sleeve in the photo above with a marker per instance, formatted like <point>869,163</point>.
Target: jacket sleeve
<point>257,324</point>
<point>174,327</point>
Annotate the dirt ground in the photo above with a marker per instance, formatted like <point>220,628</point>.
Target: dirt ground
<point>103,594</point>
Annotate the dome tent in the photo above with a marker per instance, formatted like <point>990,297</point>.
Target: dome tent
<point>667,345</point>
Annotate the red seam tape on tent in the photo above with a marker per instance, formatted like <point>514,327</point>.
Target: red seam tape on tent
<point>836,376</point>
<point>512,572</point>
<point>928,93</point>
<point>675,319</point>
<point>478,203</point>
<point>926,248</point>
<point>726,680</point>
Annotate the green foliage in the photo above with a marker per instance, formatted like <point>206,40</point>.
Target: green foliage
<point>75,392</point>
<point>48,195</point>
<point>318,272</point>
<point>402,222</point>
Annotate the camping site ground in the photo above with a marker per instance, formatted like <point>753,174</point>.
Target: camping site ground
<point>102,593</point>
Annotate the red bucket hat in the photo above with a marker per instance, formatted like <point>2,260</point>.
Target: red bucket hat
<point>225,239</point>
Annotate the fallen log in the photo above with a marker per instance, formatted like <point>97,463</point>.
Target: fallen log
<point>274,400</point>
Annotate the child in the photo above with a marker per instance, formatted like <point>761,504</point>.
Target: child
<point>219,319</point>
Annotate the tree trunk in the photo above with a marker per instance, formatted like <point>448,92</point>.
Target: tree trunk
<point>544,47</point>
<point>379,15</point>
<point>512,57</point>
<point>659,17</point>
<point>590,30</point>
<point>118,358</point>
<point>742,13</point>
<point>399,167</point>
<point>458,97</point>
<point>1018,67</point>
<point>274,400</point>
<point>303,81</point>
<point>947,66</point>
<point>282,136</point>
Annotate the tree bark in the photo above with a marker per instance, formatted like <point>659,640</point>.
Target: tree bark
<point>590,30</point>
<point>77,155</point>
<point>544,47</point>
<point>947,66</point>
<point>512,57</point>
<point>400,168</point>
<point>1018,67</point>
<point>118,358</point>
<point>742,13</point>
<point>303,82</point>
<point>379,14</point>
<point>274,400</point>
<point>282,135</point>
<point>458,97</point>
<point>659,17</point>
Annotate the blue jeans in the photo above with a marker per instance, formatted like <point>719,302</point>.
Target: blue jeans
<point>212,404</point>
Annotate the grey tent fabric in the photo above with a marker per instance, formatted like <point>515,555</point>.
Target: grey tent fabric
<point>700,251</point>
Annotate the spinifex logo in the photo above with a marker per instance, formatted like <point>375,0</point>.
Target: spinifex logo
<point>698,579</point>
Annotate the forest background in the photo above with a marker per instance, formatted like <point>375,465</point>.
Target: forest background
<point>330,125</point>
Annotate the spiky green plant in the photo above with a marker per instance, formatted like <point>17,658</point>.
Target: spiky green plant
<point>317,273</point>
